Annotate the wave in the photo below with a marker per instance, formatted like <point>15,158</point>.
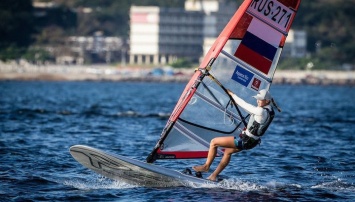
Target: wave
<point>36,112</point>
<point>98,182</point>
<point>337,185</point>
<point>130,113</point>
<point>241,185</point>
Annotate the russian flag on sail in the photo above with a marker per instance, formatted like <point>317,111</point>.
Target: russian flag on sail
<point>259,45</point>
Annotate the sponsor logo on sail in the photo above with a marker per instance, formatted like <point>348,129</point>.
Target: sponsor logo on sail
<point>255,84</point>
<point>242,76</point>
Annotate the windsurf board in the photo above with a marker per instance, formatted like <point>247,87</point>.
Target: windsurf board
<point>132,171</point>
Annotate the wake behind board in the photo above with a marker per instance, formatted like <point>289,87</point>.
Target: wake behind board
<point>132,171</point>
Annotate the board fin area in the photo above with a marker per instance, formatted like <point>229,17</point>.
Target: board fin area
<point>198,174</point>
<point>131,171</point>
<point>188,171</point>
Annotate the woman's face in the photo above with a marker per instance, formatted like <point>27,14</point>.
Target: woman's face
<point>262,103</point>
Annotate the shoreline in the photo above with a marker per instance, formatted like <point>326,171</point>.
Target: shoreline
<point>140,74</point>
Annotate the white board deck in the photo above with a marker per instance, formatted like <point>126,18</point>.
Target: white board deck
<point>131,171</point>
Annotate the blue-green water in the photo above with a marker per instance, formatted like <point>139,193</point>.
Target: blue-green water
<point>308,153</point>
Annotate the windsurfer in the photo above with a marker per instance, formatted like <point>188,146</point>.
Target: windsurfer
<point>261,117</point>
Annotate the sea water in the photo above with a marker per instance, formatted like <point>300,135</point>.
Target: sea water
<point>308,153</point>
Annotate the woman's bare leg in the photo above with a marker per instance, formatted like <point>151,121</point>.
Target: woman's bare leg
<point>223,164</point>
<point>227,142</point>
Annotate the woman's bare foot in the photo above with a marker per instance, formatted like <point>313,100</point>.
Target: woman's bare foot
<point>212,178</point>
<point>203,168</point>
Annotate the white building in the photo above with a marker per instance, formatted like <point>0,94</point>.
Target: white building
<point>161,35</point>
<point>295,45</point>
<point>217,14</point>
<point>107,49</point>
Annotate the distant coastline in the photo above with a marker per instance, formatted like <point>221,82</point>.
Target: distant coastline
<point>122,74</point>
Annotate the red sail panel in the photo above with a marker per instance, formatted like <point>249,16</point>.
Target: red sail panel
<point>291,3</point>
<point>253,58</point>
<point>241,27</point>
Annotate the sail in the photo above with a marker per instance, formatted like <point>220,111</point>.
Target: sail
<point>243,59</point>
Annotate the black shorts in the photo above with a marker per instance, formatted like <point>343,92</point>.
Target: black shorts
<point>244,142</point>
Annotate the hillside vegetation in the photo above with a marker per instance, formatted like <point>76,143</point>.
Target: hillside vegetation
<point>329,25</point>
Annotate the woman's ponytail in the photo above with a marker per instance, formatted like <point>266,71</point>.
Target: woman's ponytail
<point>275,105</point>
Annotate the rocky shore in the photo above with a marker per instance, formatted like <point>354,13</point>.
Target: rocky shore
<point>109,73</point>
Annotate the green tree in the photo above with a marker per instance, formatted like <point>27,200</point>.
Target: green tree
<point>55,25</point>
<point>37,55</point>
<point>182,63</point>
<point>330,29</point>
<point>16,27</point>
